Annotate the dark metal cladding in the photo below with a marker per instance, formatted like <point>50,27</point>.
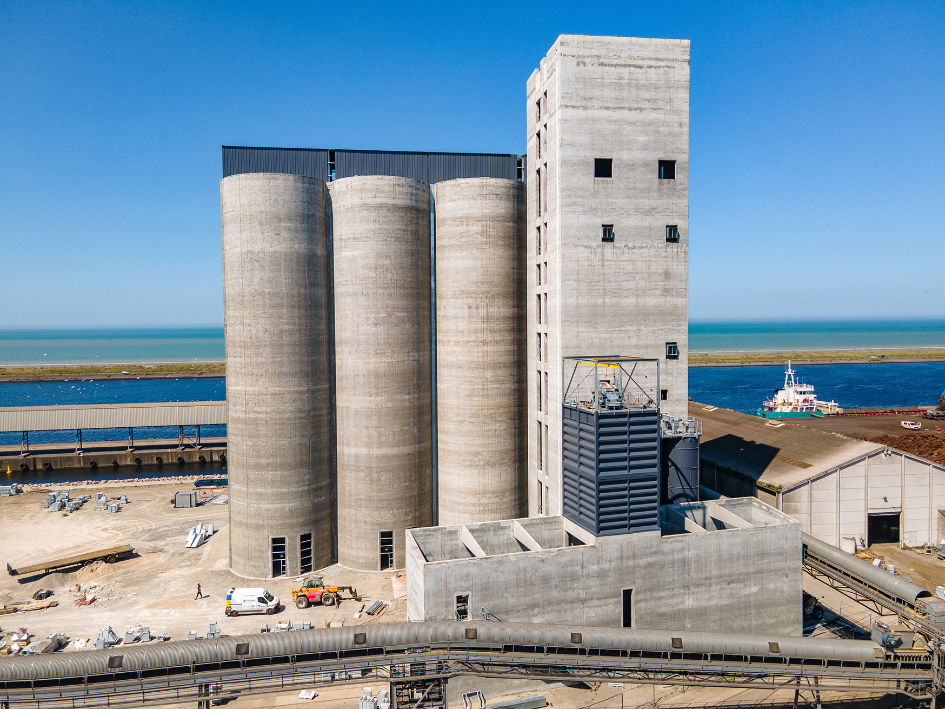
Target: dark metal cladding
<point>313,162</point>
<point>680,466</point>
<point>307,162</point>
<point>611,469</point>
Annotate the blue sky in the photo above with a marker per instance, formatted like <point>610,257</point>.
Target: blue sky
<point>817,142</point>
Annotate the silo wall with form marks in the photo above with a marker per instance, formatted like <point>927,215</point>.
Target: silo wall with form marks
<point>480,341</point>
<point>276,282</point>
<point>381,252</point>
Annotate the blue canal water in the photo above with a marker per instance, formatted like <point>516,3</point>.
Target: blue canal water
<point>850,385</point>
<point>116,391</point>
<point>739,388</point>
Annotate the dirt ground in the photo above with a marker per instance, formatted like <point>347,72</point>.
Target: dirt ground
<point>156,588</point>
<point>871,425</point>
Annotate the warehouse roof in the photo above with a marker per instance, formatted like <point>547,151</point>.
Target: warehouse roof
<point>774,451</point>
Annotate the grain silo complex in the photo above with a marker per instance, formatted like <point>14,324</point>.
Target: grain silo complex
<point>382,365</point>
<point>397,322</point>
<point>480,323</point>
<point>278,358</point>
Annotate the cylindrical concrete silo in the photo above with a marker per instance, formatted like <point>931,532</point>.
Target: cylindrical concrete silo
<point>278,367</point>
<point>381,247</point>
<point>480,341</point>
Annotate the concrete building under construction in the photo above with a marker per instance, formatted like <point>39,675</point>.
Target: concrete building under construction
<point>397,322</point>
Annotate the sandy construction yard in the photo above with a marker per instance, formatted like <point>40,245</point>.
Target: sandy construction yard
<point>156,588</point>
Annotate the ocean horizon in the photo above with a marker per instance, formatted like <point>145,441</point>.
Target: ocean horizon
<point>61,346</point>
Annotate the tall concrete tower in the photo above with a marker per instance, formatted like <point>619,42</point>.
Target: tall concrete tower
<point>278,368</point>
<point>480,322</point>
<point>608,225</point>
<point>383,366</point>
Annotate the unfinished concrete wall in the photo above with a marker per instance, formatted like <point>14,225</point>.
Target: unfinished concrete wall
<point>623,99</point>
<point>711,581</point>
<point>275,307</point>
<point>381,238</point>
<point>480,318</point>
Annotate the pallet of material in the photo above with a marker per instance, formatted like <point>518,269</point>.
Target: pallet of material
<point>38,606</point>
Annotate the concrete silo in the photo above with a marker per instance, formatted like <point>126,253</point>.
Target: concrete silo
<point>381,242</point>
<point>278,346</point>
<point>480,341</point>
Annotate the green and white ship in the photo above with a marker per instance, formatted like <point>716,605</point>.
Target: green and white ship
<point>794,400</point>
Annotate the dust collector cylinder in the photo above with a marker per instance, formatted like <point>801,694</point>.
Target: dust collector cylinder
<point>277,332</point>
<point>480,355</point>
<point>381,249</point>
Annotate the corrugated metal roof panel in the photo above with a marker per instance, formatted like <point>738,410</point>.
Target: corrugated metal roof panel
<point>313,162</point>
<point>308,162</point>
<point>62,418</point>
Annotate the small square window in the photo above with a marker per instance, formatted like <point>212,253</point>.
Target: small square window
<point>667,169</point>
<point>672,234</point>
<point>664,394</point>
<point>672,351</point>
<point>607,232</point>
<point>604,167</point>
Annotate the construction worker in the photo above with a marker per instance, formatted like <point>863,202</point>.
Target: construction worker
<point>199,593</point>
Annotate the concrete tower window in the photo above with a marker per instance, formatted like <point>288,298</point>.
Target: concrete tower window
<point>538,142</point>
<point>539,347</point>
<point>538,238</point>
<point>278,556</point>
<point>604,167</point>
<point>539,446</point>
<point>672,351</point>
<point>667,169</point>
<point>538,302</point>
<point>539,391</point>
<point>664,394</point>
<point>386,548</point>
<point>607,232</point>
<point>672,234</point>
<point>538,111</point>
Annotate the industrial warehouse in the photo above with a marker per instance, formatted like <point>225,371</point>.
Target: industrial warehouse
<point>469,371</point>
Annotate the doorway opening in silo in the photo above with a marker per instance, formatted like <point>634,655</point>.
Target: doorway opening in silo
<point>882,528</point>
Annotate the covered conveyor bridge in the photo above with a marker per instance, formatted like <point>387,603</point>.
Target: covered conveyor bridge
<point>23,419</point>
<point>418,658</point>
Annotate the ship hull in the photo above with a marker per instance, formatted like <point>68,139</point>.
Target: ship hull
<point>785,414</point>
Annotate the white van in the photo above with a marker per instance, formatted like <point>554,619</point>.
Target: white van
<point>250,600</point>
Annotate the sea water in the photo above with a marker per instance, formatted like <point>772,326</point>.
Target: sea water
<point>815,335</point>
<point>111,346</point>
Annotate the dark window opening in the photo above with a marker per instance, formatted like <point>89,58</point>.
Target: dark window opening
<point>672,351</point>
<point>538,110</point>
<point>607,232</point>
<point>667,169</point>
<point>664,394</point>
<point>305,552</point>
<point>386,540</point>
<point>628,608</point>
<point>520,169</point>
<point>538,189</point>
<point>538,142</point>
<point>278,556</point>
<point>331,165</point>
<point>604,167</point>
<point>462,606</point>
<point>672,233</point>
<point>882,528</point>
